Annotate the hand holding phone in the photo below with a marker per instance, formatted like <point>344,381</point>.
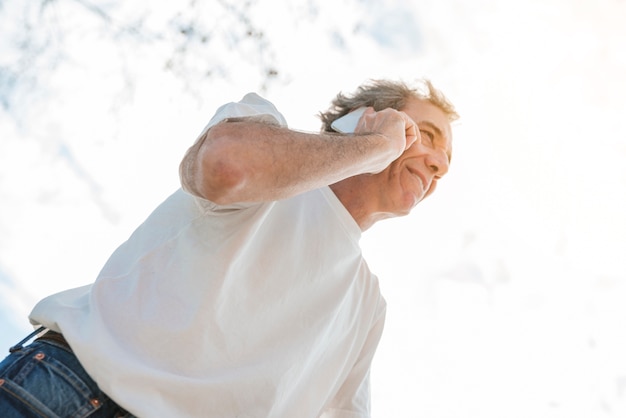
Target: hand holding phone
<point>401,133</point>
<point>347,125</point>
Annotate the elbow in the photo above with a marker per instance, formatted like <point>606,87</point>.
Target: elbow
<point>219,176</point>
<point>220,181</point>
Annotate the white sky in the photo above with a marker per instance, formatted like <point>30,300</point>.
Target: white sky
<point>505,289</point>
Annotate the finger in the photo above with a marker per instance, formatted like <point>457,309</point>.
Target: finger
<point>369,111</point>
<point>412,134</point>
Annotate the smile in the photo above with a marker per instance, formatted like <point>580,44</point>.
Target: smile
<point>419,177</point>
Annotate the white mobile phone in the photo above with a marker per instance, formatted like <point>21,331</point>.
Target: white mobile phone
<point>347,123</point>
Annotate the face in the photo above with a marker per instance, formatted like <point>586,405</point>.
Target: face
<point>414,175</point>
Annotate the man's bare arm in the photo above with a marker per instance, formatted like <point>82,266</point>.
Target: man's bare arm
<point>247,161</point>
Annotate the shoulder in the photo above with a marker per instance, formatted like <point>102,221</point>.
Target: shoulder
<point>250,106</point>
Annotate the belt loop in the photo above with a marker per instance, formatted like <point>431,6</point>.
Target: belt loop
<point>20,345</point>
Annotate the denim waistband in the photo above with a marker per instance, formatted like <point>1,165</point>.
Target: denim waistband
<point>48,336</point>
<point>55,337</point>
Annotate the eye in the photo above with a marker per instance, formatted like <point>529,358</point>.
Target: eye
<point>427,134</point>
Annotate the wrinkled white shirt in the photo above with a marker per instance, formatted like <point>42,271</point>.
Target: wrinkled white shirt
<point>249,310</point>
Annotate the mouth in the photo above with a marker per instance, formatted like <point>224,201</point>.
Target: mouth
<point>419,177</point>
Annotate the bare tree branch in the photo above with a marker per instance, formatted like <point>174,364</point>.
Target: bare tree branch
<point>194,38</point>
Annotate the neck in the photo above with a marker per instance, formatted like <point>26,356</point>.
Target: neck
<point>352,194</point>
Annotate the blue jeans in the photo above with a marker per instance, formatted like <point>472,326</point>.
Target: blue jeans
<point>45,380</point>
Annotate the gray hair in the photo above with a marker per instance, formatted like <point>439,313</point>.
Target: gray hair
<point>381,94</point>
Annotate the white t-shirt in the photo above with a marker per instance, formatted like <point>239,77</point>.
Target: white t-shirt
<point>249,310</point>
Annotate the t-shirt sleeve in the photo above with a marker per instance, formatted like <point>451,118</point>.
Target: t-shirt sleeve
<point>250,106</point>
<point>353,400</point>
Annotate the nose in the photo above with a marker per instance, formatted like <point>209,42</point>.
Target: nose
<point>438,162</point>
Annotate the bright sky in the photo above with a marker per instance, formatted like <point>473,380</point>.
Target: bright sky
<point>505,289</point>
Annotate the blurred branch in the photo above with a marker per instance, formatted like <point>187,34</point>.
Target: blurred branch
<point>233,28</point>
<point>196,44</point>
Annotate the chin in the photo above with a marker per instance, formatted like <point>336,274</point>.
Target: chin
<point>411,205</point>
<point>405,211</point>
<point>405,207</point>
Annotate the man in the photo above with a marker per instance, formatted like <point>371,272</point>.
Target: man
<point>244,294</point>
